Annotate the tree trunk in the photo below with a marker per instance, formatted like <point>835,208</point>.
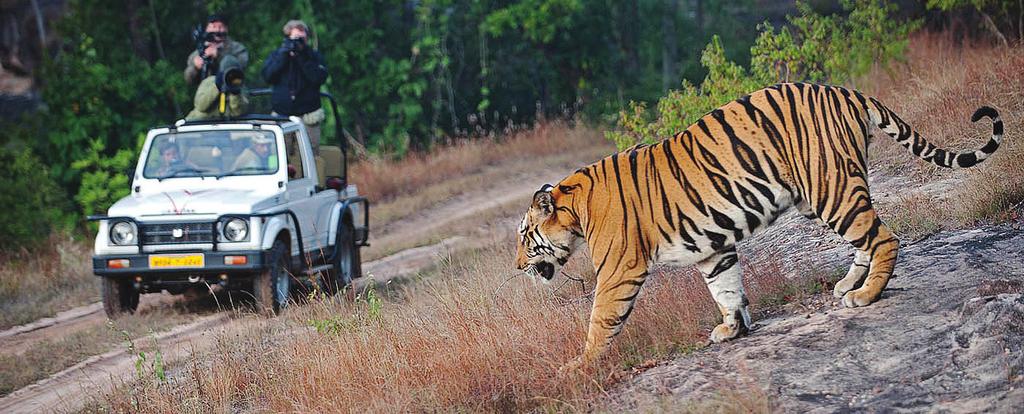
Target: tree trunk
<point>628,22</point>
<point>700,15</point>
<point>991,26</point>
<point>39,26</point>
<point>669,45</point>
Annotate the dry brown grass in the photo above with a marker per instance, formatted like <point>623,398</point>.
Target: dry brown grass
<point>474,337</point>
<point>55,277</point>
<point>937,92</point>
<point>382,180</point>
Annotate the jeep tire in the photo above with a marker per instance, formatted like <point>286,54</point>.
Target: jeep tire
<point>271,286</point>
<point>119,297</point>
<point>346,266</point>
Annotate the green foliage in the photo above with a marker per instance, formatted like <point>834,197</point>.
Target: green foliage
<point>680,108</point>
<point>831,48</point>
<point>373,301</point>
<point>144,363</point>
<point>103,177</point>
<point>817,48</point>
<point>30,199</point>
<point>539,20</point>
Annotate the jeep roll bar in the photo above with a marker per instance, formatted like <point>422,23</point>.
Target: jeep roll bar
<point>342,143</point>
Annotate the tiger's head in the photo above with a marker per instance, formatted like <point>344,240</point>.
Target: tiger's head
<point>548,235</point>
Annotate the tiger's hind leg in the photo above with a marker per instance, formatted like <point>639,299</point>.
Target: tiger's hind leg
<point>724,278</point>
<point>877,249</point>
<point>861,261</point>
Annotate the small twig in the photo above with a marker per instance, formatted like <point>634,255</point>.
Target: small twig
<point>502,284</point>
<point>570,301</point>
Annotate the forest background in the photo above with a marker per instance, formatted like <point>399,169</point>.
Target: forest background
<point>412,75</point>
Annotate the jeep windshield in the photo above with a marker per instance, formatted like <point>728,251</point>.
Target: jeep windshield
<point>211,154</point>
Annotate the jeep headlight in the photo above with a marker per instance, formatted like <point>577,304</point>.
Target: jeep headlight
<point>123,233</point>
<point>236,230</point>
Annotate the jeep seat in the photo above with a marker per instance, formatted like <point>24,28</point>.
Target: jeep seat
<point>205,157</point>
<point>328,163</point>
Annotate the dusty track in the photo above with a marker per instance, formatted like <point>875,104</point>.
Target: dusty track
<point>19,338</point>
<point>68,389</point>
<point>422,225</point>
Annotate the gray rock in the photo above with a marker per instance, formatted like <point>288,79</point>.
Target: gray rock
<point>946,336</point>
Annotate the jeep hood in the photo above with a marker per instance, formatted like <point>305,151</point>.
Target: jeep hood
<point>185,202</point>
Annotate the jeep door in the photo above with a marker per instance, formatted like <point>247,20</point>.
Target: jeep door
<point>312,208</point>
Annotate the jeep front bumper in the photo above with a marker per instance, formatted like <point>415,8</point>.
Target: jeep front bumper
<point>214,263</point>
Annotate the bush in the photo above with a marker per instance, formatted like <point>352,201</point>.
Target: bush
<point>815,48</point>
<point>103,178</point>
<point>30,198</point>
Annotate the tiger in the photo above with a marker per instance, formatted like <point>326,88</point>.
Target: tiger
<point>688,199</point>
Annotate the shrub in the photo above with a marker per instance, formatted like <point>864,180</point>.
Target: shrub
<point>103,178</point>
<point>30,198</point>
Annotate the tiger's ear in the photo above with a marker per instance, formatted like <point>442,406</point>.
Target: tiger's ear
<point>543,203</point>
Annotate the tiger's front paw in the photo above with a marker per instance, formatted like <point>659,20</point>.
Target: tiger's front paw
<point>843,286</point>
<point>571,368</point>
<point>858,298</point>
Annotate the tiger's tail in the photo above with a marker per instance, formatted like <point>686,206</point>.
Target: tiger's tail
<point>891,124</point>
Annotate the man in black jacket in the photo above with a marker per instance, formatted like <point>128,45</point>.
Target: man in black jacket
<point>296,72</point>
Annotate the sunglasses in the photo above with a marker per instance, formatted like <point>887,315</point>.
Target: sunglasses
<point>218,34</point>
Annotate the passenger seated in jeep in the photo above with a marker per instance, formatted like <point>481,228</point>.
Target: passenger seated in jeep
<point>171,162</point>
<point>257,157</point>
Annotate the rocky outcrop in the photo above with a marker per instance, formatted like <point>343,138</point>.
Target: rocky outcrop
<point>947,335</point>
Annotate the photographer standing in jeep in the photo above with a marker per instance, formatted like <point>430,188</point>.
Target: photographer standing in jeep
<point>296,72</point>
<point>215,45</point>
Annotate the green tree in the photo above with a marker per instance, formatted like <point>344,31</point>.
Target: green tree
<point>1001,18</point>
<point>815,47</point>
<point>32,202</point>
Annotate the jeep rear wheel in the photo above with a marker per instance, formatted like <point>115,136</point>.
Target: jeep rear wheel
<point>270,287</point>
<point>346,266</point>
<point>119,297</point>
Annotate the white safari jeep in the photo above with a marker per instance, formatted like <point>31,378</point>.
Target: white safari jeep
<point>242,203</point>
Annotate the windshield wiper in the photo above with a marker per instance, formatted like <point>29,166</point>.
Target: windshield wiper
<point>183,170</point>
<point>238,170</point>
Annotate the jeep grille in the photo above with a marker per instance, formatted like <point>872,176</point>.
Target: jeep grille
<point>187,233</point>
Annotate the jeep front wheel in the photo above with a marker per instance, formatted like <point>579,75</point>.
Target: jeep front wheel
<point>119,297</point>
<point>270,287</point>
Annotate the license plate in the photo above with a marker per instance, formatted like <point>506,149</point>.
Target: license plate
<point>176,261</point>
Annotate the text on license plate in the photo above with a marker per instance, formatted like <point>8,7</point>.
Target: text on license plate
<point>176,260</point>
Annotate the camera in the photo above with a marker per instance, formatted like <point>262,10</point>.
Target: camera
<point>294,45</point>
<point>230,80</point>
